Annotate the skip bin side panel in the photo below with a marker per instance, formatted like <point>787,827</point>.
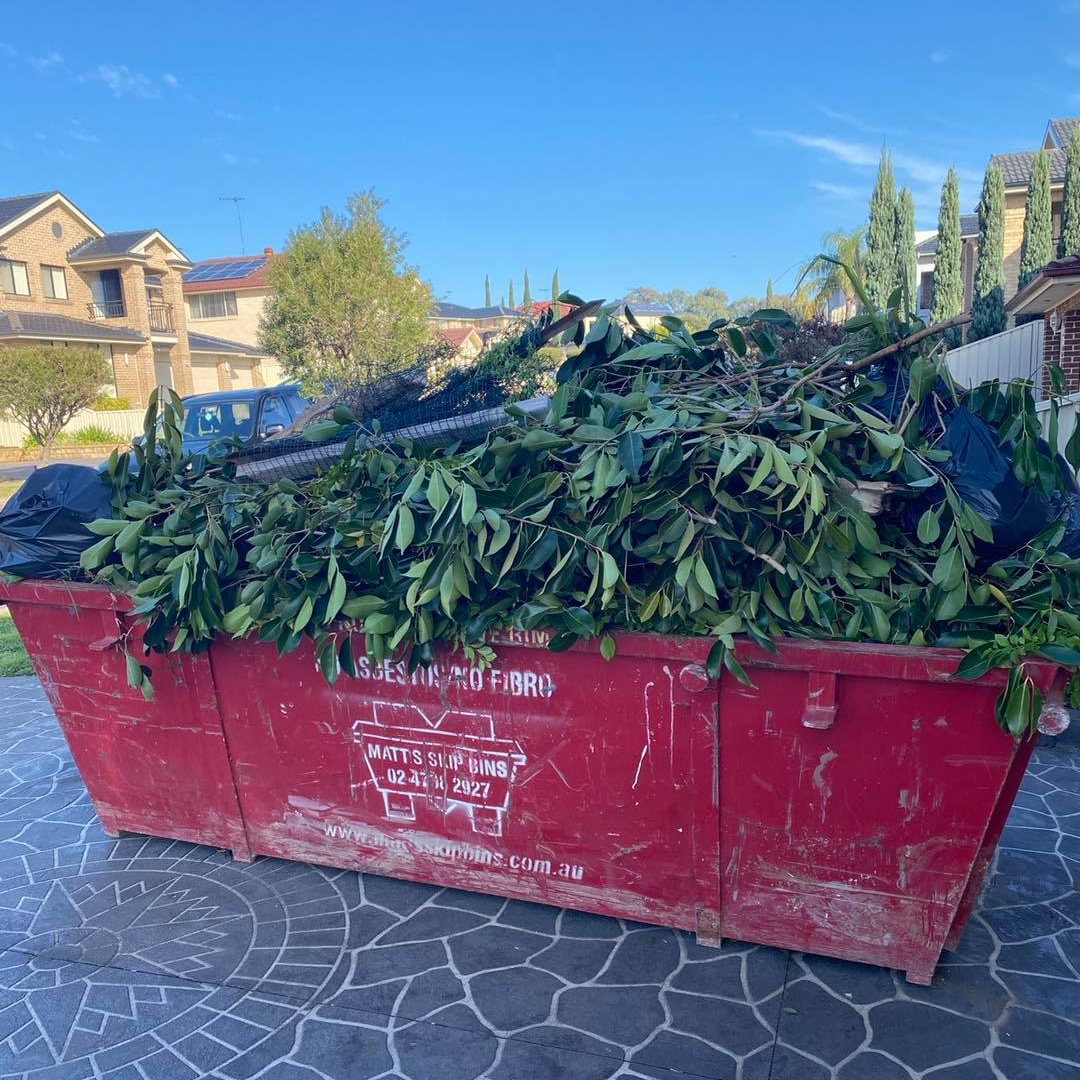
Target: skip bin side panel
<point>850,828</point>
<point>157,767</point>
<point>552,777</point>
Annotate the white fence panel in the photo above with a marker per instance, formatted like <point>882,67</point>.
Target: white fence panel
<point>1012,354</point>
<point>125,424</point>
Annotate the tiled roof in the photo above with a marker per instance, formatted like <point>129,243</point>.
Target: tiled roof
<point>457,335</point>
<point>456,311</point>
<point>17,324</point>
<point>16,205</point>
<point>1063,129</point>
<point>1016,168</point>
<point>116,243</point>
<point>210,344</point>
<point>969,226</point>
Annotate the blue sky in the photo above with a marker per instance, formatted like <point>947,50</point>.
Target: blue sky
<point>677,145</point>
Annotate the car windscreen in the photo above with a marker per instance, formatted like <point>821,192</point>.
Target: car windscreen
<point>219,420</point>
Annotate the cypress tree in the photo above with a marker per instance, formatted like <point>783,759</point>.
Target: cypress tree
<point>511,293</point>
<point>770,298</point>
<point>881,235</point>
<point>1037,248</point>
<point>905,247</point>
<point>555,289</point>
<point>948,284</point>
<point>526,296</point>
<point>1070,202</point>
<point>487,290</point>
<point>988,306</point>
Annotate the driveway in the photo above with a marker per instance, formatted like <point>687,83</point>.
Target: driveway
<point>137,958</point>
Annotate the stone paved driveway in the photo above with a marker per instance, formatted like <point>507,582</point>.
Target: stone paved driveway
<point>145,959</point>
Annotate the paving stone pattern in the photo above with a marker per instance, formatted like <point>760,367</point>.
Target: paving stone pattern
<point>149,959</point>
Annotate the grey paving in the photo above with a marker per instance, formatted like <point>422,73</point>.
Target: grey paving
<point>142,958</point>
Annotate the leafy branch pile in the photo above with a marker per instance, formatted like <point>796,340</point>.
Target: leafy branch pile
<point>680,484</point>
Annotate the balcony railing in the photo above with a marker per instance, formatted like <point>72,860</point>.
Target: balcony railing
<point>161,321</point>
<point>106,309</point>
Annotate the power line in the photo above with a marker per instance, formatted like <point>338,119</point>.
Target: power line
<point>236,200</point>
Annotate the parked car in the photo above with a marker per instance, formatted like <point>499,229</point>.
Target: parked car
<point>248,415</point>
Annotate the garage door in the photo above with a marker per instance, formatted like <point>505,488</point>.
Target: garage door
<point>204,376</point>
<point>243,377</point>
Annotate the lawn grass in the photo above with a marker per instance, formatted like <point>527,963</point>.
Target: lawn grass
<point>8,488</point>
<point>13,658</point>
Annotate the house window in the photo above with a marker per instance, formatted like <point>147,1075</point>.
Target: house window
<point>53,282</point>
<point>212,305</point>
<point>13,279</point>
<point>926,290</point>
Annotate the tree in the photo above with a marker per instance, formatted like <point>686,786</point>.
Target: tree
<point>345,308</point>
<point>881,236</point>
<point>826,281</point>
<point>1070,200</point>
<point>526,295</point>
<point>770,297</point>
<point>487,290</point>
<point>988,305</point>
<point>555,288</point>
<point>44,386</point>
<point>948,284</point>
<point>905,246</point>
<point>510,293</point>
<point>1037,247</point>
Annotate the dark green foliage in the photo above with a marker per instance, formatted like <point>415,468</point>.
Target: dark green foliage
<point>555,291</point>
<point>988,306</point>
<point>905,247</point>
<point>1037,248</point>
<point>881,236</point>
<point>510,293</point>
<point>948,284</point>
<point>487,291</point>
<point>1070,204</point>
<point>679,484</point>
<point>526,295</point>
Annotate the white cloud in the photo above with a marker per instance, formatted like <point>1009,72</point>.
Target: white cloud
<point>224,114</point>
<point>229,159</point>
<point>863,156</point>
<point>124,82</point>
<point>837,191</point>
<point>1073,59</point>
<point>80,134</point>
<point>170,80</point>
<point>938,57</point>
<point>42,64</point>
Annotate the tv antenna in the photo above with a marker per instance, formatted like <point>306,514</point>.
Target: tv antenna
<point>236,200</point>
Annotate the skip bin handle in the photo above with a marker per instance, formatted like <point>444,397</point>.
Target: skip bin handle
<point>820,709</point>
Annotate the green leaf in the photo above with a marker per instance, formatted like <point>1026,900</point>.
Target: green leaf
<point>631,453</point>
<point>1061,654</point>
<point>704,578</point>
<point>468,503</point>
<point>406,527</point>
<point>359,607</point>
<point>611,570</point>
<point>303,616</point>
<point>607,647</point>
<point>337,598</point>
<point>929,527</point>
<point>323,430</point>
<point>949,569</point>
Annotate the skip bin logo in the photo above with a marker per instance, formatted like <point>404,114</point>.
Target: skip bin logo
<point>450,758</point>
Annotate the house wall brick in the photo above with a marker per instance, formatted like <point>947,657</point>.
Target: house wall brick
<point>133,363</point>
<point>1062,347</point>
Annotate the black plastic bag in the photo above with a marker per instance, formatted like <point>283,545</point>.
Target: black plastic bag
<point>41,527</point>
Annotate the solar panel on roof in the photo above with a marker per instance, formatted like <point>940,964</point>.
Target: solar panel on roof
<point>235,268</point>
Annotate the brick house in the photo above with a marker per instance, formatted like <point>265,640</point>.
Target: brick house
<point>225,297</point>
<point>1055,295</point>
<point>65,281</point>
<point>1016,169</point>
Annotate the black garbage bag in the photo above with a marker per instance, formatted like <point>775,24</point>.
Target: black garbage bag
<point>41,527</point>
<point>982,473</point>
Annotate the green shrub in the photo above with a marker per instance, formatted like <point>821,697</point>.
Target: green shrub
<point>93,435</point>
<point>108,403</point>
